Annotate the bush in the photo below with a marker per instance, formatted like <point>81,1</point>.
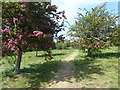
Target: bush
<point>60,45</point>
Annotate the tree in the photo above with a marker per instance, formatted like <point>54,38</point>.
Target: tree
<point>29,24</point>
<point>92,30</point>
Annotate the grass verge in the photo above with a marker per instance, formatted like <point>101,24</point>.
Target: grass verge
<point>35,71</point>
<point>100,71</point>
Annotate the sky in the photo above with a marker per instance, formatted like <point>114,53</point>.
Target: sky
<point>71,8</point>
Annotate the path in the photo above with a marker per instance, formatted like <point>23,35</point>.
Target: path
<point>64,76</point>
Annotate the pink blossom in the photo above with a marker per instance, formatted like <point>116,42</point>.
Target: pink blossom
<point>33,25</point>
<point>6,30</point>
<point>96,38</point>
<point>9,46</point>
<point>108,42</point>
<point>23,5</point>
<point>19,14</point>
<point>15,19</point>
<point>48,35</point>
<point>23,42</point>
<point>38,33</point>
<point>20,36</point>
<point>95,46</point>
<point>16,40</point>
<point>11,41</point>
<point>30,21</point>
<point>96,42</point>
<point>88,38</point>
<point>99,45</point>
<point>31,35</point>
<point>17,53</point>
<point>22,18</point>
<point>7,23</point>
<point>13,48</point>
<point>84,45</point>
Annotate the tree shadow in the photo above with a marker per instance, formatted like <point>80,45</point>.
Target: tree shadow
<point>65,73</point>
<point>57,54</point>
<point>106,55</point>
<point>39,73</point>
<point>84,68</point>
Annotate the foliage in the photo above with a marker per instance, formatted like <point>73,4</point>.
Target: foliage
<point>63,45</point>
<point>28,24</point>
<point>60,45</point>
<point>93,29</point>
<point>114,36</point>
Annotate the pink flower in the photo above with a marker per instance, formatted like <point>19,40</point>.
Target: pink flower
<point>20,36</point>
<point>99,45</point>
<point>9,46</point>
<point>17,53</point>
<point>19,14</point>
<point>48,35</point>
<point>32,25</point>
<point>84,45</point>
<point>38,33</point>
<point>16,40</point>
<point>88,38</point>
<point>6,30</point>
<point>96,38</point>
<point>30,21</point>
<point>13,48</point>
<point>23,5</point>
<point>22,18</point>
<point>31,35</point>
<point>11,41</point>
<point>7,23</point>
<point>108,42</point>
<point>15,19</point>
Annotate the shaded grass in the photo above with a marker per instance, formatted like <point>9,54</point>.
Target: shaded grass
<point>98,71</point>
<point>35,71</point>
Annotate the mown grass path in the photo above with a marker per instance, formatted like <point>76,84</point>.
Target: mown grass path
<point>64,76</point>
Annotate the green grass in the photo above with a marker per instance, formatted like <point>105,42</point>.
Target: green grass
<point>99,71</point>
<point>35,71</point>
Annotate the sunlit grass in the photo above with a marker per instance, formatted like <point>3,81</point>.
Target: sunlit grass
<point>35,71</point>
<point>99,71</point>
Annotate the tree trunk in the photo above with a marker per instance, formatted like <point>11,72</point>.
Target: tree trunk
<point>18,63</point>
<point>36,52</point>
<point>89,52</point>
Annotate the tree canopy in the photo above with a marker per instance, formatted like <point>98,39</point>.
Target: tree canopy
<point>93,29</point>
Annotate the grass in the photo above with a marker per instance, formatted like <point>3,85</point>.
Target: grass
<point>35,71</point>
<point>100,71</point>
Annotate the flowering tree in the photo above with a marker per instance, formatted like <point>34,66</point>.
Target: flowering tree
<point>93,29</point>
<point>29,24</point>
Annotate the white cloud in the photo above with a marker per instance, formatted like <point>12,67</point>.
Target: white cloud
<point>71,7</point>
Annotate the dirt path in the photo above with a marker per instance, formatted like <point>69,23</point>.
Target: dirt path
<point>64,76</point>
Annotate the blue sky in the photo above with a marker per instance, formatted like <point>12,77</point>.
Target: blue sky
<point>71,7</point>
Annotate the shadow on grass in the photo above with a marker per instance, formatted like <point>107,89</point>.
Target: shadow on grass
<point>85,67</point>
<point>106,55</point>
<point>39,73</point>
<point>57,54</point>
